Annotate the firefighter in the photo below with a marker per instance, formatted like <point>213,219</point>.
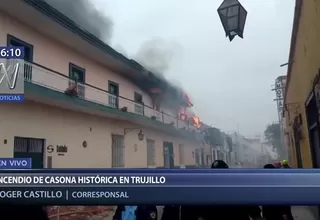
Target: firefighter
<point>276,212</point>
<point>285,164</point>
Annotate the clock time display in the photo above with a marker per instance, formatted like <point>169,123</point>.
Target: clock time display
<point>11,52</point>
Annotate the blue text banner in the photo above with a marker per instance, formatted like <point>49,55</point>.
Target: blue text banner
<point>161,196</point>
<point>120,186</point>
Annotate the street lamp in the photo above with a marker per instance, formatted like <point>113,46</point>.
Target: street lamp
<point>140,134</point>
<point>233,18</point>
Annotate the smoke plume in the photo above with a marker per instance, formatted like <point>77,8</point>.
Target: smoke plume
<point>157,55</point>
<point>86,16</point>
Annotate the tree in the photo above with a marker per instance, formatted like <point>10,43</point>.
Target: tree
<point>273,137</point>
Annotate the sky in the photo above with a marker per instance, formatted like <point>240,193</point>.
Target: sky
<point>229,82</point>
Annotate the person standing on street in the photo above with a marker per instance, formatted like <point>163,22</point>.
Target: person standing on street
<point>288,212</point>
<point>285,164</point>
<point>209,212</point>
<point>277,164</point>
<point>275,212</point>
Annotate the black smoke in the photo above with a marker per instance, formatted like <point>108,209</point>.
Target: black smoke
<point>86,16</point>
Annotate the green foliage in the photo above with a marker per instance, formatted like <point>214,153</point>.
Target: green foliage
<point>273,136</point>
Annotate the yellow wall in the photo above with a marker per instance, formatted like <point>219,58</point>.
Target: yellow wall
<point>63,127</point>
<point>306,63</point>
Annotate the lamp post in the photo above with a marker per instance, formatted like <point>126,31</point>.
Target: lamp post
<point>233,18</point>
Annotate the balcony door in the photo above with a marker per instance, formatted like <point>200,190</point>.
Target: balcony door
<point>138,103</point>
<point>78,74</point>
<point>113,90</point>
<point>28,55</point>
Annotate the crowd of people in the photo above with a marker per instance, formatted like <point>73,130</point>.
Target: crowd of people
<point>172,212</point>
<point>203,212</point>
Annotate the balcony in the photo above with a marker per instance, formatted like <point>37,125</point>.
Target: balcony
<point>35,74</point>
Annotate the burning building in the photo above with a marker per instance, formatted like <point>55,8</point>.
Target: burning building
<point>103,108</point>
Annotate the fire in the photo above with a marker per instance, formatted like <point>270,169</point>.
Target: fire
<point>196,121</point>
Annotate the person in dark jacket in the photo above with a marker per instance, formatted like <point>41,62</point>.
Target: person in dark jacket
<point>171,212</point>
<point>207,212</point>
<point>276,212</point>
<point>229,212</point>
<point>18,212</point>
<point>277,164</point>
<point>285,164</point>
<point>141,212</point>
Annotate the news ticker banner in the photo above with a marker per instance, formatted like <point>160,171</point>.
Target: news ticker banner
<point>153,186</point>
<point>20,184</point>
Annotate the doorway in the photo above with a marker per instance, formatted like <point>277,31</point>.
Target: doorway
<point>202,160</point>
<point>197,157</point>
<point>29,148</point>
<point>313,127</point>
<point>213,154</point>
<point>168,155</point>
<point>28,55</point>
<point>297,138</point>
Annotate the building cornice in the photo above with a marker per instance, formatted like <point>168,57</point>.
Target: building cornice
<point>294,35</point>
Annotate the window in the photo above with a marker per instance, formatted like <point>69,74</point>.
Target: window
<point>181,154</point>
<point>28,55</point>
<point>138,106</point>
<point>117,150</point>
<point>151,153</point>
<point>77,74</point>
<point>28,145</point>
